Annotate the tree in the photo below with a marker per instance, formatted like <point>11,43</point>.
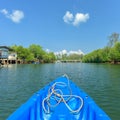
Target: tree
<point>113,39</point>
<point>20,51</point>
<point>33,53</point>
<point>105,54</point>
<point>111,53</point>
<point>23,53</point>
<point>29,56</point>
<point>74,56</point>
<point>37,51</point>
<point>115,53</point>
<point>49,57</point>
<point>97,56</point>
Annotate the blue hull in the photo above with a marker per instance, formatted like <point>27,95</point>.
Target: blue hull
<point>63,101</point>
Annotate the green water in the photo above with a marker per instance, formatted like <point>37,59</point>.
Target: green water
<point>100,81</point>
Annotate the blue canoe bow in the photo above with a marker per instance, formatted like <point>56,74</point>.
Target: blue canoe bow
<point>60,100</point>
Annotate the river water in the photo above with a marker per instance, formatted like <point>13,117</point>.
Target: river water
<point>100,81</point>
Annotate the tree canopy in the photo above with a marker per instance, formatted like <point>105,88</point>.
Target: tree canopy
<point>33,53</point>
<point>111,53</point>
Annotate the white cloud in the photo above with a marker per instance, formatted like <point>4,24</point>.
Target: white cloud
<point>68,17</point>
<point>16,16</point>
<point>4,11</point>
<point>79,52</point>
<point>79,18</point>
<point>47,50</point>
<point>64,51</point>
<point>75,20</point>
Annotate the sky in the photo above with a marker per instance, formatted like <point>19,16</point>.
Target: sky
<point>57,25</point>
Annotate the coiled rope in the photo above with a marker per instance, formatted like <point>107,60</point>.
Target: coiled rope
<point>58,96</point>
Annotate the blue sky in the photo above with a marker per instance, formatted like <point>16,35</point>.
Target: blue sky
<point>59,24</point>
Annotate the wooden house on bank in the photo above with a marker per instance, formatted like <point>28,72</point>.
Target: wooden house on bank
<point>7,56</point>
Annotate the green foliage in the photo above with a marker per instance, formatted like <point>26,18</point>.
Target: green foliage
<point>111,53</point>
<point>106,54</point>
<point>37,51</point>
<point>21,52</point>
<point>49,57</point>
<point>74,57</point>
<point>33,53</point>
<point>93,57</point>
<point>114,54</point>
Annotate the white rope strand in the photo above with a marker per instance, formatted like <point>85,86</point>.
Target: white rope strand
<point>58,96</point>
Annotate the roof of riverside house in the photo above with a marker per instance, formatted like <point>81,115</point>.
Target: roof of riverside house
<point>6,47</point>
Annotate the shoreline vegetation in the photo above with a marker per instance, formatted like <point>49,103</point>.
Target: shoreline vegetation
<point>109,54</point>
<point>35,54</point>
